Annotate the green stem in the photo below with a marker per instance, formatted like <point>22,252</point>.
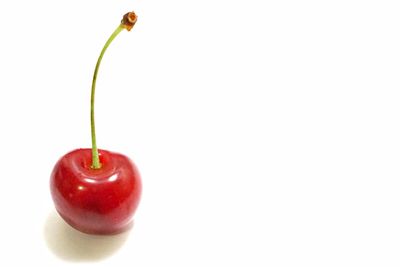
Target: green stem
<point>95,153</point>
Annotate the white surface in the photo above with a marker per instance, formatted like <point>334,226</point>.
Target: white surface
<point>267,132</point>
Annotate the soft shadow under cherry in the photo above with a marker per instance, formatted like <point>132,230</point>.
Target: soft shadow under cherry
<point>72,245</point>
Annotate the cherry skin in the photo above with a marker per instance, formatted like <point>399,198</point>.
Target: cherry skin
<point>96,201</point>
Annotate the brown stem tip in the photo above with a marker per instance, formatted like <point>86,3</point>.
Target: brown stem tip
<point>129,20</point>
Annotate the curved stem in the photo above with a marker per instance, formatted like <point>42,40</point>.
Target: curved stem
<point>127,22</point>
<point>95,153</point>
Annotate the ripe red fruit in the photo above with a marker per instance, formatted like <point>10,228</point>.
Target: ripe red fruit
<point>97,191</point>
<point>96,201</point>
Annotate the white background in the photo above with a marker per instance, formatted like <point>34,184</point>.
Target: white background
<point>267,132</point>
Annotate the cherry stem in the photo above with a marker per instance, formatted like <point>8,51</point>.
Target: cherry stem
<point>128,21</point>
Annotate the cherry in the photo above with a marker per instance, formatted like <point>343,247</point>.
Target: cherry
<point>97,191</point>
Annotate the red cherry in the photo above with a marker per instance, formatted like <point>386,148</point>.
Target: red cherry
<point>96,201</point>
<point>97,191</point>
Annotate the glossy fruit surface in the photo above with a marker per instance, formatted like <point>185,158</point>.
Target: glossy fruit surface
<point>96,201</point>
